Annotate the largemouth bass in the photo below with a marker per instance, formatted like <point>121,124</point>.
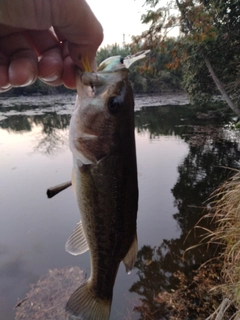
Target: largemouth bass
<point>105,182</point>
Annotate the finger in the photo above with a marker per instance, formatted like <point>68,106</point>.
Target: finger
<point>50,65</point>
<point>23,69</point>
<point>22,59</point>
<point>69,68</point>
<point>69,73</point>
<point>4,81</point>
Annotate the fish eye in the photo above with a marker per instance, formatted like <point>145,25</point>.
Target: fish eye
<point>113,105</point>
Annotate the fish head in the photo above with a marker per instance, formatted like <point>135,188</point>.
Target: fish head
<point>104,108</point>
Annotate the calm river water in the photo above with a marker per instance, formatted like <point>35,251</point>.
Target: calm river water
<point>180,162</point>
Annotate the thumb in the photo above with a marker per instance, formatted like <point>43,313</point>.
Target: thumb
<point>81,29</point>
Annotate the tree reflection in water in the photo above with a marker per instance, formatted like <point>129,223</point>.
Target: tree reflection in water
<point>53,136</point>
<point>212,149</point>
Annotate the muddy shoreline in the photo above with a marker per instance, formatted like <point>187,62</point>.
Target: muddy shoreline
<point>151,100</point>
<point>67,101</point>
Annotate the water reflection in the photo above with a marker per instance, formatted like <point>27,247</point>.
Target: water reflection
<point>53,135</point>
<point>210,147</point>
<point>201,172</point>
<point>13,275</point>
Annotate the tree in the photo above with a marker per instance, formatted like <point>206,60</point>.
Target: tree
<point>207,28</point>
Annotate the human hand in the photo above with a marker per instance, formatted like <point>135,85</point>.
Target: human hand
<point>30,48</point>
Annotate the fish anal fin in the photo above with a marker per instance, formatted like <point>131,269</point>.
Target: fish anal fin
<point>77,243</point>
<point>131,256</point>
<point>85,306</point>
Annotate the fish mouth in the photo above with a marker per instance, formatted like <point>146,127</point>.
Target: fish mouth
<point>92,79</point>
<point>95,84</point>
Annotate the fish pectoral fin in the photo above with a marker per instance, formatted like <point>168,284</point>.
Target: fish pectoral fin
<point>131,256</point>
<point>77,243</point>
<point>51,192</point>
<point>84,305</point>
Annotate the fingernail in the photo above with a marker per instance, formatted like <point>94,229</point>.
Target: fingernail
<point>30,81</point>
<point>50,78</point>
<point>5,88</point>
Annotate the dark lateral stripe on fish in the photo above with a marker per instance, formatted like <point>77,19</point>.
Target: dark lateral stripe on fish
<point>51,192</point>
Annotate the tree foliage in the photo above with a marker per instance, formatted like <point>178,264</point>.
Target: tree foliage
<point>209,36</point>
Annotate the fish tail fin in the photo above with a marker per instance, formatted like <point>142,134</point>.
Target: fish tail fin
<point>85,306</point>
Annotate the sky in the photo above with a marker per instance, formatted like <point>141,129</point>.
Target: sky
<point>118,18</point>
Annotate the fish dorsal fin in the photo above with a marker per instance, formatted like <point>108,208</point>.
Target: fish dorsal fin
<point>131,256</point>
<point>77,243</point>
